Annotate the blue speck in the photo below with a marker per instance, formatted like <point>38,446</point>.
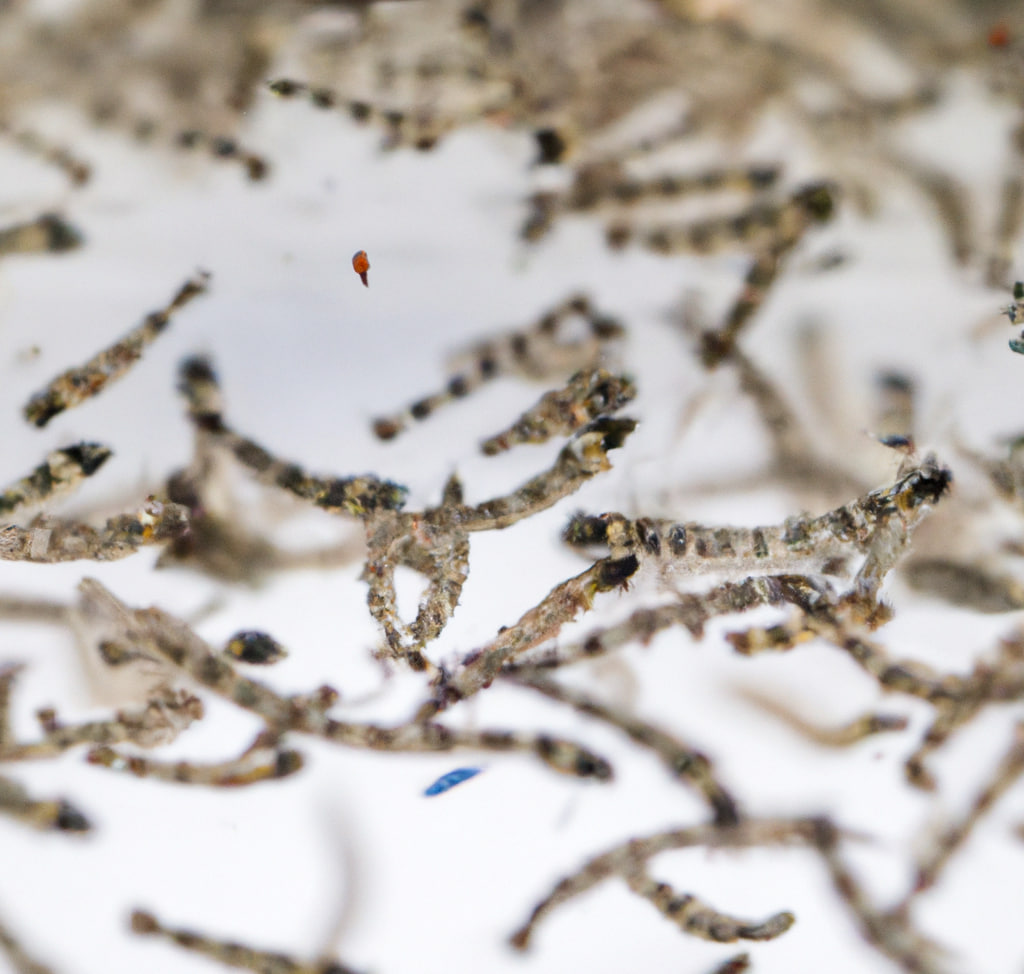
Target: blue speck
<point>450,780</point>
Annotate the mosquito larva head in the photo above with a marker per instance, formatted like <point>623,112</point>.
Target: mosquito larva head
<point>591,766</point>
<point>551,146</point>
<point>287,763</point>
<point>251,646</point>
<point>256,168</point>
<point>197,368</point>
<point>930,482</point>
<point>609,392</point>
<point>584,530</point>
<point>198,383</point>
<point>70,819</point>
<point>616,573</point>
<point>89,456</point>
<point>144,923</point>
<point>613,430</point>
<point>818,200</point>
<point>386,428</point>
<point>60,235</point>
<point>726,812</point>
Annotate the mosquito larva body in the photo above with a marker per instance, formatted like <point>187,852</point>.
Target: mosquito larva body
<point>81,383</point>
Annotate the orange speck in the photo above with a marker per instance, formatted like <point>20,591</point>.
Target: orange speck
<point>999,35</point>
<point>361,264</point>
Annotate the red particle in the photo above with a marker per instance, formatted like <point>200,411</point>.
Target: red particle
<point>999,35</point>
<point>361,264</point>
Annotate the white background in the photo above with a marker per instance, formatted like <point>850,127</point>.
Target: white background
<point>349,855</point>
